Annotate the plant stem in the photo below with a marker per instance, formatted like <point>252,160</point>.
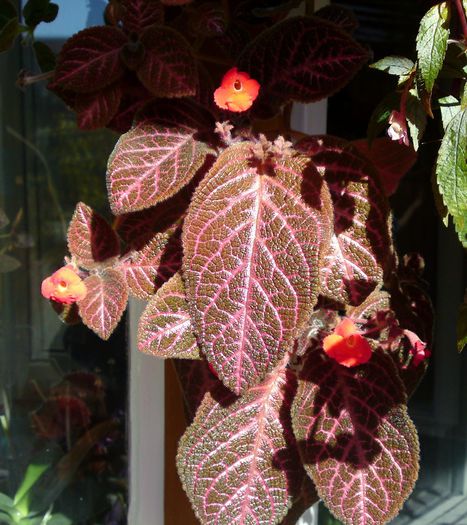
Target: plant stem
<point>462,17</point>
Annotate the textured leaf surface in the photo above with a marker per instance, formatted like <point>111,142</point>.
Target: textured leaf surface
<point>432,42</point>
<point>148,268</point>
<point>360,246</point>
<point>96,110</point>
<point>233,460</point>
<point>391,159</point>
<point>451,169</point>
<point>165,326</point>
<point>251,251</point>
<point>154,160</point>
<point>105,302</point>
<point>139,14</point>
<point>90,238</point>
<point>339,15</point>
<point>394,65</point>
<point>169,68</point>
<point>90,60</point>
<point>303,59</point>
<point>138,228</point>
<point>357,441</point>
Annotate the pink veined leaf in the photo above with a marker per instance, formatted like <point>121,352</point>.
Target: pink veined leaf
<point>391,159</point>
<point>96,110</point>
<point>233,460</point>
<point>90,60</point>
<point>303,501</point>
<point>139,14</point>
<point>356,439</point>
<point>153,161</point>
<point>90,238</point>
<point>302,59</point>
<point>138,228</point>
<point>165,326</point>
<point>105,302</point>
<point>377,301</point>
<point>360,251</point>
<point>169,68</point>
<point>339,15</point>
<point>157,261</point>
<point>251,257</point>
<point>196,379</point>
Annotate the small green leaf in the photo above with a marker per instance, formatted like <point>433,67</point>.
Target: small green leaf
<point>394,65</point>
<point>460,225</point>
<point>451,170</point>
<point>8,263</point>
<point>432,42</point>
<point>45,56</point>
<point>462,328</point>
<point>416,118</point>
<point>449,107</point>
<point>379,118</point>
<point>33,473</point>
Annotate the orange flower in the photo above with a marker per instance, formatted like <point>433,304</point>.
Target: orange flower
<point>64,286</point>
<point>237,92</point>
<point>346,345</point>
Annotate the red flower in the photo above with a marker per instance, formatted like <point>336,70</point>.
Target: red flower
<point>418,348</point>
<point>237,92</point>
<point>346,345</point>
<point>64,286</point>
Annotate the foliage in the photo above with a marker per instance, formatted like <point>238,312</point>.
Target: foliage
<point>252,246</point>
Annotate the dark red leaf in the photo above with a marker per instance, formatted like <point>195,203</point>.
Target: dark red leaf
<point>90,60</point>
<point>302,59</point>
<point>391,159</point>
<point>139,14</point>
<point>356,439</point>
<point>339,15</point>
<point>169,68</point>
<point>90,238</point>
<point>95,110</point>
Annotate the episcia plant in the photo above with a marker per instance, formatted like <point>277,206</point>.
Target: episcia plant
<point>265,255</point>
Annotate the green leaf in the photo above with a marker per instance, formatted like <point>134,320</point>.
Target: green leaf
<point>462,328</point>
<point>45,56</point>
<point>449,107</point>
<point>8,263</point>
<point>37,11</point>
<point>460,225</point>
<point>416,118</point>
<point>432,42</point>
<point>451,170</point>
<point>33,473</point>
<point>394,65</point>
<point>379,118</point>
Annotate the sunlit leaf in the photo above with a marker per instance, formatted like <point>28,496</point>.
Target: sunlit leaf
<point>90,238</point>
<point>432,41</point>
<point>105,302</point>
<point>235,461</point>
<point>90,60</point>
<point>251,248</point>
<point>148,268</point>
<point>356,439</point>
<point>154,160</point>
<point>449,107</point>
<point>451,171</point>
<point>165,326</point>
<point>394,65</point>
<point>360,246</point>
